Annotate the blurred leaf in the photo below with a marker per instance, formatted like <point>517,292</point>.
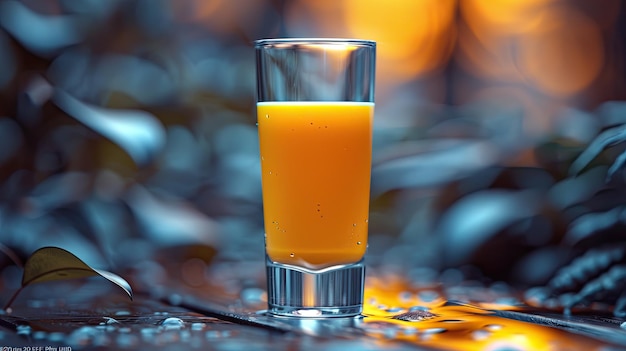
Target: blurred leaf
<point>574,190</point>
<point>607,138</point>
<point>612,113</point>
<point>53,263</point>
<point>590,225</point>
<point>42,34</point>
<point>430,163</point>
<point>480,216</point>
<point>139,133</point>
<point>11,255</point>
<point>168,221</point>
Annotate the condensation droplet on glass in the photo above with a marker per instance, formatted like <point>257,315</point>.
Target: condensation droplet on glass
<point>354,224</point>
<point>267,116</point>
<point>270,172</point>
<point>292,255</point>
<point>367,220</point>
<point>358,243</point>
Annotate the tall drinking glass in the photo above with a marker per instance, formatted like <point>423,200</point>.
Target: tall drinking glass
<point>315,112</point>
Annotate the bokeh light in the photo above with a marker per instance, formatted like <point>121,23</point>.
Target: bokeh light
<point>414,37</point>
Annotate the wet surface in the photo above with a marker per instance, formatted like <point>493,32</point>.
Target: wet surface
<point>398,315</point>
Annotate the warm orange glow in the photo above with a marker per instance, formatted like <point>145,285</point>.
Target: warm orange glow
<point>456,327</point>
<point>502,17</point>
<point>556,49</point>
<point>564,54</point>
<point>221,16</point>
<point>482,57</point>
<point>414,37</point>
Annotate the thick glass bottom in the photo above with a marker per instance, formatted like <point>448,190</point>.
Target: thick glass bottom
<point>331,292</point>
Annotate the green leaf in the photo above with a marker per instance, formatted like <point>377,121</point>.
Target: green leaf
<point>53,263</point>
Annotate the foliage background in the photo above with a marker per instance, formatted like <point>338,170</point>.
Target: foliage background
<point>128,135</point>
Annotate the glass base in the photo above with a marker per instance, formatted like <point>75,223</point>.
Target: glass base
<point>331,292</point>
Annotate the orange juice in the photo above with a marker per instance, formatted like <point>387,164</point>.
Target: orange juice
<point>315,162</point>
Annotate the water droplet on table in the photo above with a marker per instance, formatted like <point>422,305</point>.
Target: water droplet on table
<point>109,320</point>
<point>39,335</point>
<point>197,326</point>
<point>252,295</point>
<point>56,337</point>
<point>172,323</point>
<point>480,334</point>
<point>23,330</point>
<point>127,340</point>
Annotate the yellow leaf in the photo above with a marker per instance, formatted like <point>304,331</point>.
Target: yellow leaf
<point>53,263</point>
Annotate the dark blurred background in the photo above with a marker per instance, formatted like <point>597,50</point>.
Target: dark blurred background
<point>128,136</point>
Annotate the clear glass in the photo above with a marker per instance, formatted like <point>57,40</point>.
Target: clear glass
<point>315,113</point>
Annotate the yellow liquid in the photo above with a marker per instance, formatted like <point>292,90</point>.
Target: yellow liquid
<point>316,164</point>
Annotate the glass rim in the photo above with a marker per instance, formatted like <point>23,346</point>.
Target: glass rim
<point>260,43</point>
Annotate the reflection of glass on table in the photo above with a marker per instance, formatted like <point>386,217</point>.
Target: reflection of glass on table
<point>315,111</point>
